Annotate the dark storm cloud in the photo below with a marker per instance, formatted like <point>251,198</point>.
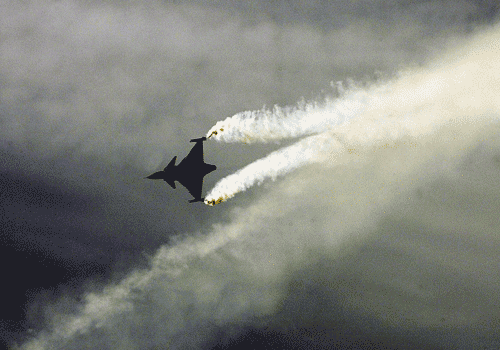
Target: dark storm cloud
<point>94,95</point>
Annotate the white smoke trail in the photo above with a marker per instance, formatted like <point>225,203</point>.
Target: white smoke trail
<point>328,145</point>
<point>387,112</point>
<point>277,163</point>
<point>332,121</point>
<point>267,125</point>
<point>284,122</point>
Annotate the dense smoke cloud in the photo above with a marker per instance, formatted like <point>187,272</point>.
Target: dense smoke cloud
<point>387,239</point>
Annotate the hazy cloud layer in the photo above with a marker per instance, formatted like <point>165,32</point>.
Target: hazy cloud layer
<point>391,243</point>
<point>106,78</point>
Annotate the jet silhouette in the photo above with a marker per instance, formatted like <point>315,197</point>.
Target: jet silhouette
<point>190,171</point>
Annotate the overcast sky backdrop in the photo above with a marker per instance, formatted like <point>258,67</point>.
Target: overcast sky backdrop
<point>95,95</point>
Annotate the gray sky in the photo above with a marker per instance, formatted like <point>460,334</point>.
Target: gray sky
<point>95,95</point>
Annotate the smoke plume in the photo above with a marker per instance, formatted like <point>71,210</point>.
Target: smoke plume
<point>384,112</point>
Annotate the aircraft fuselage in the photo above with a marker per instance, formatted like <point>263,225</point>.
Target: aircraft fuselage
<point>190,171</point>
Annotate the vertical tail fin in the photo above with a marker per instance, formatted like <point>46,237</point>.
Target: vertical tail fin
<point>171,183</point>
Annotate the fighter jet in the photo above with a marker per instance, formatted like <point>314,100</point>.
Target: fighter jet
<point>190,171</point>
